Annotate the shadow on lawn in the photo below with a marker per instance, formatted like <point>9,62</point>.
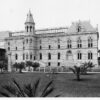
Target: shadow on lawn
<point>82,80</point>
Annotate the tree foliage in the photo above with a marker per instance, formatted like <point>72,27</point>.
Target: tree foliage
<point>86,66</point>
<point>19,66</point>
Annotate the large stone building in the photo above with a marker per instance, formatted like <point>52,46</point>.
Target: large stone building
<point>63,46</point>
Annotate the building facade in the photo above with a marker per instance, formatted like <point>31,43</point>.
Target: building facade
<point>55,47</point>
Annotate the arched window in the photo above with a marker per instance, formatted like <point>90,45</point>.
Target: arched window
<point>49,64</point>
<point>16,48</point>
<point>90,42</point>
<point>68,54</point>
<point>40,47</point>
<point>49,46</point>
<point>27,28</point>
<point>31,56</point>
<point>90,55</point>
<point>58,63</point>
<point>58,46</point>
<point>49,56</point>
<point>16,56</point>
<point>69,44</point>
<point>30,28</point>
<point>40,56</point>
<point>79,55</point>
<point>79,43</point>
<point>58,55</point>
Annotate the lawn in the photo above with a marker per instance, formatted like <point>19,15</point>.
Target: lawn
<point>64,83</point>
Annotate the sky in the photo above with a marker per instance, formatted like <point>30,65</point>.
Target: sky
<point>48,13</point>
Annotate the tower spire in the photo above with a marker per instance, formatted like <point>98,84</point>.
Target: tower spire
<point>29,24</point>
<point>29,18</point>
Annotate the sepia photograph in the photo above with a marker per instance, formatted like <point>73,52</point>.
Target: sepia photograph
<point>49,48</point>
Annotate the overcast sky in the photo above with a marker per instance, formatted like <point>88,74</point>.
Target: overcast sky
<point>47,13</point>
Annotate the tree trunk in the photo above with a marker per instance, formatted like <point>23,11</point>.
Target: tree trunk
<point>20,70</point>
<point>29,68</point>
<point>78,77</point>
<point>33,69</point>
<point>1,70</point>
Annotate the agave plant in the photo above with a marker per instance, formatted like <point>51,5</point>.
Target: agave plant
<point>29,90</point>
<point>76,70</point>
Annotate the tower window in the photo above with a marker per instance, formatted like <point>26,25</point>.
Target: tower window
<point>30,28</point>
<point>27,28</point>
<point>58,55</point>
<point>49,56</point>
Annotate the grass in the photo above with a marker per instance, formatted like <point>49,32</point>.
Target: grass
<point>89,86</point>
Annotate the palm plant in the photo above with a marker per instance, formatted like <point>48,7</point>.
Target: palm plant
<point>86,66</point>
<point>76,70</point>
<point>29,90</point>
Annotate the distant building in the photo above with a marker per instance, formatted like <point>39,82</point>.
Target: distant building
<point>55,47</point>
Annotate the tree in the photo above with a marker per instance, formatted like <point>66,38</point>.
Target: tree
<point>35,65</point>
<point>3,65</point>
<point>29,90</point>
<point>86,66</point>
<point>15,65</point>
<point>29,64</point>
<point>19,66</point>
<point>76,70</point>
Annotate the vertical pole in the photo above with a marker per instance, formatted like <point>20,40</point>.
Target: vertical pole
<point>9,62</point>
